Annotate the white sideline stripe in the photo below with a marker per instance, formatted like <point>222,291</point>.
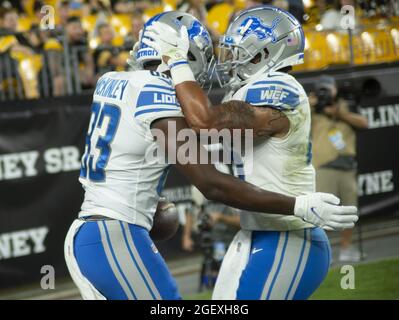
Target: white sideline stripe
<point>288,266</point>
<point>298,278</point>
<point>277,258</point>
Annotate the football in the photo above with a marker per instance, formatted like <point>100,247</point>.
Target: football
<point>166,222</point>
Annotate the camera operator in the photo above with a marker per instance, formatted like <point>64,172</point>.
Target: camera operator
<point>334,150</point>
<point>217,225</point>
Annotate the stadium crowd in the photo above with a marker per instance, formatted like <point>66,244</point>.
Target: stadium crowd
<point>91,37</point>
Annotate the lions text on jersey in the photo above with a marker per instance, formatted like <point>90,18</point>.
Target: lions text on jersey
<point>108,250</point>
<point>120,181</point>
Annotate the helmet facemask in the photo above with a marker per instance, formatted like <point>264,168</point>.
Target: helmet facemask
<point>200,63</point>
<point>258,41</point>
<point>236,64</point>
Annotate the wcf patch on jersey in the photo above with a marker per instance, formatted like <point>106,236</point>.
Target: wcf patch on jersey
<point>274,96</point>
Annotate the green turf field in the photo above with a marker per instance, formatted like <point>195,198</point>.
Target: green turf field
<point>376,280</point>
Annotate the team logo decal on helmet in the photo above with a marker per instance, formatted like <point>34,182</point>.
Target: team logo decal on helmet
<point>253,25</point>
<point>197,33</point>
<point>201,47</point>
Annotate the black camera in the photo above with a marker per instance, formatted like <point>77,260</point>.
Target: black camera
<point>324,98</point>
<point>210,266</point>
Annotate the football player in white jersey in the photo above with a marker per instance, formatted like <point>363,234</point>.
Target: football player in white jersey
<point>108,249</point>
<point>274,256</point>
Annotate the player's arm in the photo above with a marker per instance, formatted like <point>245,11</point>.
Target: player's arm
<point>234,114</point>
<point>262,120</point>
<point>218,186</point>
<point>319,208</point>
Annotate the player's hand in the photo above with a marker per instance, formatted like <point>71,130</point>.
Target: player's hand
<point>323,210</point>
<point>172,45</point>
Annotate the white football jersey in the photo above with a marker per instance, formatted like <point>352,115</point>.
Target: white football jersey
<point>120,175</point>
<point>281,165</point>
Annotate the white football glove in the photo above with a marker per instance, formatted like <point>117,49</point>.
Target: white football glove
<point>167,41</point>
<point>323,210</point>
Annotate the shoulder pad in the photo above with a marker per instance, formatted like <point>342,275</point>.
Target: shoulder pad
<point>273,92</point>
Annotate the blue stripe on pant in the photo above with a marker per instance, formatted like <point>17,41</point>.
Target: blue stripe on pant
<point>121,261</point>
<point>285,265</point>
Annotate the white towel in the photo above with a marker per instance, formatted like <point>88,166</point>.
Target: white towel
<point>234,263</point>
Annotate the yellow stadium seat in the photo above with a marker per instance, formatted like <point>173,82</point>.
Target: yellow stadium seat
<point>337,45</point>
<point>75,13</point>
<point>28,6</point>
<point>219,16</point>
<point>52,3</point>
<point>28,68</point>
<point>118,41</point>
<point>24,23</point>
<point>152,12</point>
<point>359,51</point>
<point>367,39</point>
<point>169,5</point>
<point>394,32</point>
<point>121,24</point>
<point>239,4</point>
<point>385,48</point>
<point>315,51</point>
<point>52,44</point>
<point>6,43</point>
<point>89,22</point>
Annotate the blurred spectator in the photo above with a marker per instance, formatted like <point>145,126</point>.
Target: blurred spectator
<point>80,55</point>
<point>128,6</point>
<point>217,222</point>
<point>194,7</point>
<point>9,23</point>
<point>136,25</point>
<point>108,57</point>
<point>38,14</point>
<point>222,221</point>
<point>75,33</point>
<point>43,50</point>
<point>217,226</point>
<point>379,8</point>
<point>334,150</point>
<point>16,4</point>
<point>63,12</point>
<point>23,64</point>
<point>90,7</point>
<point>331,16</point>
<point>282,4</point>
<point>297,9</point>
<point>197,9</point>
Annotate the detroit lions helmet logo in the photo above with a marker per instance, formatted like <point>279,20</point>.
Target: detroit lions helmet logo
<point>253,25</point>
<point>198,33</point>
